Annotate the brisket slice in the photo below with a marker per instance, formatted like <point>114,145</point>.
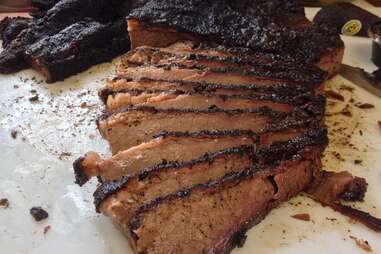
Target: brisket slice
<point>203,101</point>
<point>165,147</point>
<point>135,125</point>
<point>223,23</point>
<point>214,217</point>
<point>122,84</point>
<point>11,27</point>
<point>260,65</point>
<point>220,76</point>
<point>76,48</point>
<point>180,147</point>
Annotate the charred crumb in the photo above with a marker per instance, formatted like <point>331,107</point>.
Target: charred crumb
<point>363,244</point>
<point>47,229</point>
<point>356,190</point>
<point>346,112</point>
<point>379,124</point>
<point>347,88</point>
<point>38,213</point>
<point>14,134</point>
<point>63,155</point>
<point>4,203</point>
<point>334,95</point>
<point>365,105</point>
<point>34,98</point>
<point>357,162</point>
<point>302,216</point>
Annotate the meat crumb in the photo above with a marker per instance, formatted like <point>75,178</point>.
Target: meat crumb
<point>14,134</point>
<point>365,105</point>
<point>363,244</point>
<point>34,98</point>
<point>4,203</point>
<point>46,229</point>
<point>334,95</point>
<point>302,216</point>
<point>38,213</point>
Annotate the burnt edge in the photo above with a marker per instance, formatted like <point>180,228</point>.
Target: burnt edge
<point>80,177</point>
<point>232,133</point>
<point>111,187</point>
<point>266,156</point>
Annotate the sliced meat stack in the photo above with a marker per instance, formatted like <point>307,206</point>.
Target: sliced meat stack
<point>212,122</point>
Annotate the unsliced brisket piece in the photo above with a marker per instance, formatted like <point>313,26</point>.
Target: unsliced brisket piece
<point>132,126</point>
<point>160,23</point>
<point>217,214</point>
<point>11,27</point>
<point>165,147</point>
<point>76,48</point>
<point>62,15</point>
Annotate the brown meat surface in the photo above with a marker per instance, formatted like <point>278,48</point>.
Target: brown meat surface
<point>213,218</point>
<point>134,126</point>
<point>168,147</point>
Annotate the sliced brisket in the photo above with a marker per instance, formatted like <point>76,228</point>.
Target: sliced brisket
<point>183,146</point>
<point>165,147</point>
<point>135,125</point>
<point>217,213</point>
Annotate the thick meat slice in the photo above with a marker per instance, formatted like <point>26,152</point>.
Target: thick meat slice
<point>217,214</point>
<point>259,65</point>
<point>133,126</point>
<point>181,147</point>
<point>165,147</point>
<point>163,179</point>
<point>76,48</point>
<point>124,84</point>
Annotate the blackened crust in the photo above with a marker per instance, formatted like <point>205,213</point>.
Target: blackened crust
<point>80,177</point>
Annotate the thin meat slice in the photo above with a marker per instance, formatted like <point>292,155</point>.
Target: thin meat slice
<point>200,74</point>
<point>248,64</point>
<point>133,126</point>
<point>179,100</point>
<point>165,147</point>
<point>217,213</point>
<point>123,84</point>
